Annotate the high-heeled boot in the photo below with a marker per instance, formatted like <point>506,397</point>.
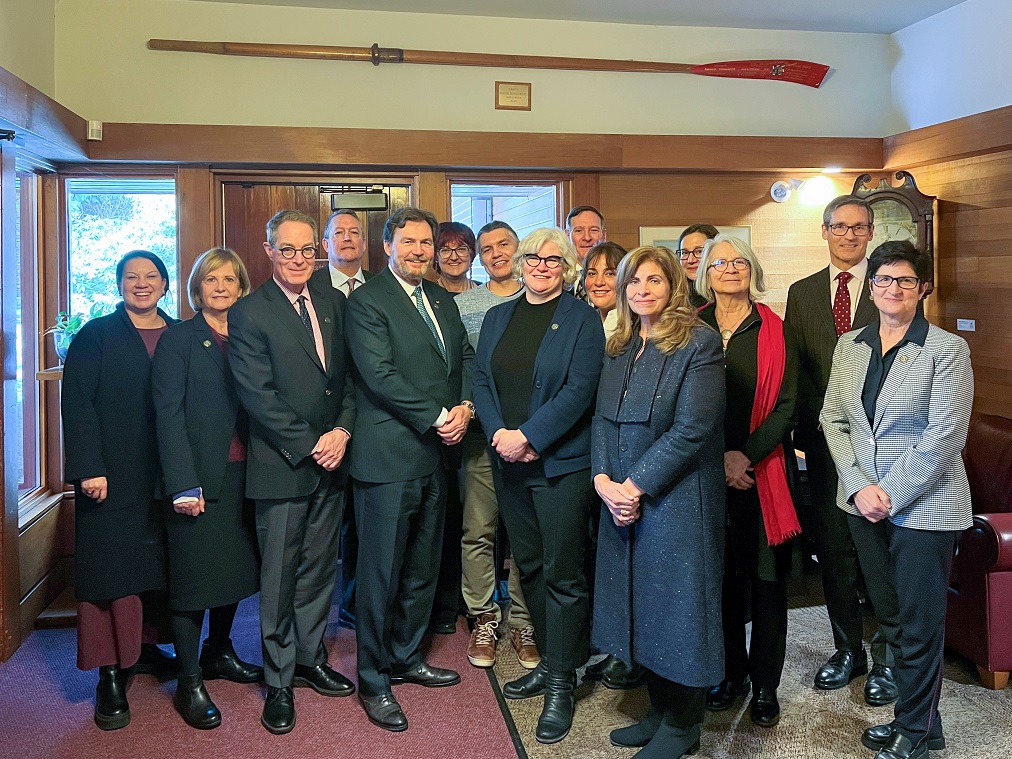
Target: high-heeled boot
<point>111,708</point>
<point>194,704</point>
<point>557,715</point>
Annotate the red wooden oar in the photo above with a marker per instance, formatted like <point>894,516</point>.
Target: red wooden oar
<point>779,69</point>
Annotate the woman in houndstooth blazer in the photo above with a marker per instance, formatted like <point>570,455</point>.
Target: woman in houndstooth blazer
<point>895,418</point>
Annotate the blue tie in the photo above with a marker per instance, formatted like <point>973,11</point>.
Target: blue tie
<point>420,305</point>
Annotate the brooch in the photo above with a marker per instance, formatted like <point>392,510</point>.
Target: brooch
<point>207,343</point>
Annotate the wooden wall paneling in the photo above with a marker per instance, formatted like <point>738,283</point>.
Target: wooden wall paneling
<point>10,583</point>
<point>44,593</point>
<point>195,222</point>
<point>982,133</point>
<point>47,129</point>
<point>586,191</point>
<point>434,193</point>
<point>41,546</point>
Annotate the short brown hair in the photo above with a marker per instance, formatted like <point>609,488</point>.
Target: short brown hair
<point>207,262</point>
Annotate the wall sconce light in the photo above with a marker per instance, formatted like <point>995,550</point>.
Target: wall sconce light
<point>815,191</point>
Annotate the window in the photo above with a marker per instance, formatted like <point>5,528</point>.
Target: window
<point>109,217</point>
<point>26,310</point>
<point>525,207</point>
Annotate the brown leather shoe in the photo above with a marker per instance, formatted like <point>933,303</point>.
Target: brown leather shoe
<point>481,648</point>
<point>522,639</point>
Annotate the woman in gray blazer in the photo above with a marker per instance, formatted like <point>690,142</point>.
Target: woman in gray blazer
<point>658,466</point>
<point>896,416</point>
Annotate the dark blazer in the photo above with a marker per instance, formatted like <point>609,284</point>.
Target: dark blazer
<point>109,431</point>
<point>402,382</point>
<point>809,319</point>
<point>197,407</point>
<point>658,585</point>
<point>291,398</point>
<point>566,372</point>
<point>322,277</point>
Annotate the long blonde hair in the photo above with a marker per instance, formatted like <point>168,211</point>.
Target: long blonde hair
<point>674,328</point>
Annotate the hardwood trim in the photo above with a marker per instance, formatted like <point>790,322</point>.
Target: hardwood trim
<point>48,129</point>
<point>434,193</point>
<point>195,224</point>
<point>47,590</point>
<point>980,134</point>
<point>40,547</point>
<point>321,146</point>
<point>586,192</point>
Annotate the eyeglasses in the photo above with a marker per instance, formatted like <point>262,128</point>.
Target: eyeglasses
<point>884,280</point>
<point>684,253</point>
<point>463,252</point>
<point>859,230</point>
<point>738,264</point>
<point>289,252</point>
<point>551,262</point>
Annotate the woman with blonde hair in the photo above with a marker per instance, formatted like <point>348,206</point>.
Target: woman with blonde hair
<point>535,375</point>
<point>658,470</point>
<point>761,375</point>
<point>202,436</point>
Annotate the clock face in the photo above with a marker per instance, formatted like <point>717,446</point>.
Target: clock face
<point>893,221</point>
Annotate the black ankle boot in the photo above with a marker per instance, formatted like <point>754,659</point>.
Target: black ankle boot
<point>194,704</point>
<point>638,735</point>
<point>220,662</point>
<point>111,708</point>
<point>155,661</point>
<point>530,685</point>
<point>557,715</point>
<point>671,742</point>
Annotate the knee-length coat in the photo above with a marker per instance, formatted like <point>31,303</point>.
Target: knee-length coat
<point>658,588</point>
<point>109,431</point>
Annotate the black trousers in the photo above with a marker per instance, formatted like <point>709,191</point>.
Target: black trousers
<point>907,574</point>
<point>400,528</point>
<point>763,661</point>
<point>448,601</point>
<point>826,523</point>
<point>682,705</point>
<point>546,519</point>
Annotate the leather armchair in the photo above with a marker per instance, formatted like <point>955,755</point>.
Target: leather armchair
<point>978,621</point>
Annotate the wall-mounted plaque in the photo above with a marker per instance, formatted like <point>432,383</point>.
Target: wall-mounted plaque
<point>513,96</point>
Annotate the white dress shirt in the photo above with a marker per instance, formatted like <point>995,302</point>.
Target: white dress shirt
<point>340,280</point>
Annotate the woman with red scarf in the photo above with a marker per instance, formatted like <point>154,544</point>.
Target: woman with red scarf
<point>761,380</point>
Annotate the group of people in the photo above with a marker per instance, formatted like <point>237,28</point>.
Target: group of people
<point>631,417</point>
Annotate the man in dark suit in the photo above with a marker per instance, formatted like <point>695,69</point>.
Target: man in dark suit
<point>412,362</point>
<point>344,243</point>
<point>292,374</point>
<point>820,308</point>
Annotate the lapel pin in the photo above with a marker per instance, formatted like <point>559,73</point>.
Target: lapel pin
<point>904,359</point>
<point>207,343</point>
<point>555,326</point>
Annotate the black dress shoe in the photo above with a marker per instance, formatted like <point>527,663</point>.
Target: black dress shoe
<point>444,626</point>
<point>279,710</point>
<point>323,680</point>
<point>620,676</point>
<point>557,715</point>
<point>111,708</point>
<point>155,661</point>
<point>900,747</point>
<point>880,736</point>
<point>722,697</point>
<point>430,677</point>
<point>880,688</point>
<point>842,667</point>
<point>384,711</point>
<point>220,662</point>
<point>530,685</point>
<point>194,704</point>
<point>764,710</point>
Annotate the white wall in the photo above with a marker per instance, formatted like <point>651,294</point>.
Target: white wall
<point>105,72</point>
<point>27,32</point>
<point>954,64</point>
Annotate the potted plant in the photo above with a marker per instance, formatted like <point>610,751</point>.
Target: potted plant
<point>68,325</point>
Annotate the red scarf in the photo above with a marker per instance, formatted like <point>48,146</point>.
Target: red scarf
<point>779,517</point>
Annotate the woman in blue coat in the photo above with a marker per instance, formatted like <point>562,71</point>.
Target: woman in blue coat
<point>658,465</point>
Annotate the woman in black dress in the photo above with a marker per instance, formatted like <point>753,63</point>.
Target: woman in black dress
<point>202,435</point>
<point>761,378</point>
<point>112,462</point>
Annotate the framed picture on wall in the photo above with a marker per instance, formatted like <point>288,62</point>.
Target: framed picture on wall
<point>668,236</point>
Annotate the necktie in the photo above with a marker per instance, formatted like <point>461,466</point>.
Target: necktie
<point>841,303</point>
<point>351,285</point>
<point>304,313</point>
<point>420,305</point>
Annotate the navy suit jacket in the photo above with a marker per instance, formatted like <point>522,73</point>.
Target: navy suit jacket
<point>566,372</point>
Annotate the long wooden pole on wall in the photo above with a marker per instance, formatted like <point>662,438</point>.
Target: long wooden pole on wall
<point>778,70</point>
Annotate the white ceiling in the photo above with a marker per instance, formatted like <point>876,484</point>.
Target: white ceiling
<point>878,16</point>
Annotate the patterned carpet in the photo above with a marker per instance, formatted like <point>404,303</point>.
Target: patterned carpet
<point>977,722</point>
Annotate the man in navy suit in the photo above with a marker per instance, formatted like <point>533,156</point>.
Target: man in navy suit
<point>412,363</point>
<point>288,356</point>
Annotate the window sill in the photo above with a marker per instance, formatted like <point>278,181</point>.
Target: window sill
<point>34,507</point>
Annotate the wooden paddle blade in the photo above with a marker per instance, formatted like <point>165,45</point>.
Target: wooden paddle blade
<point>782,70</point>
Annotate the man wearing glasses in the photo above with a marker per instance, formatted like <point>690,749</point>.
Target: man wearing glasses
<point>292,375</point>
<point>820,308</point>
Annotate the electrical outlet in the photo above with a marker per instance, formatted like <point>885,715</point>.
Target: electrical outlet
<point>966,325</point>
